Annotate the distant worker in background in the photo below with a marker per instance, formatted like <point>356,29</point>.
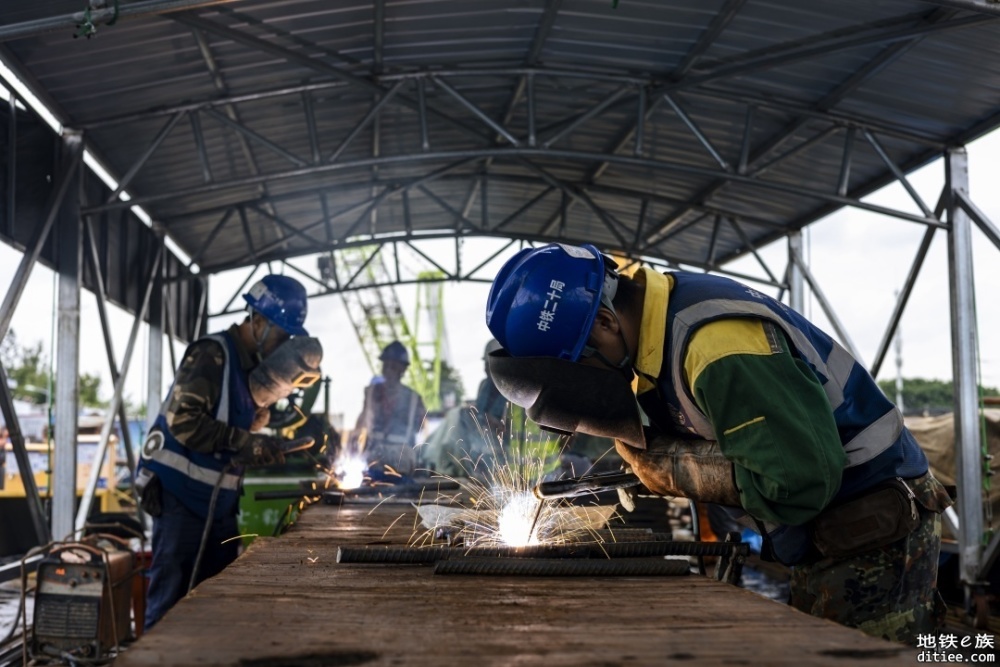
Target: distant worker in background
<point>469,437</point>
<point>391,417</point>
<point>795,436</point>
<point>204,436</point>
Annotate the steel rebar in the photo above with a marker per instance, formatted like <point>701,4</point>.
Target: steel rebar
<point>598,551</point>
<point>530,567</point>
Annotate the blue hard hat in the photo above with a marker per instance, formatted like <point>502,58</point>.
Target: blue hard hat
<point>395,351</point>
<point>282,300</point>
<point>544,300</point>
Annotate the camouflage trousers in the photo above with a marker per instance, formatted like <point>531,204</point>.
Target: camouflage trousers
<point>889,592</point>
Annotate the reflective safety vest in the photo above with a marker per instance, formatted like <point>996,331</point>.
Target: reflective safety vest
<point>877,445</point>
<point>192,476</point>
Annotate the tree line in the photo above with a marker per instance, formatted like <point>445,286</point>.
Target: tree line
<point>920,395</point>
<point>29,377</point>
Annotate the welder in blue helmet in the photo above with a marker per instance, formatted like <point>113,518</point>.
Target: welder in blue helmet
<point>741,401</point>
<point>207,431</point>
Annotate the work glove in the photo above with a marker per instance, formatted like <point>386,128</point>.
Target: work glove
<point>266,450</point>
<point>627,495</point>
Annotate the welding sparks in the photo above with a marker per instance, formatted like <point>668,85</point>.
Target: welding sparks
<point>350,471</point>
<point>515,524</point>
<point>502,509</point>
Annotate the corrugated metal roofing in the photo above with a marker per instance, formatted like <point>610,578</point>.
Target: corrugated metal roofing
<point>255,98</point>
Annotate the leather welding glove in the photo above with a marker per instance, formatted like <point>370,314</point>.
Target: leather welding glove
<point>259,450</point>
<point>627,495</point>
<point>695,469</point>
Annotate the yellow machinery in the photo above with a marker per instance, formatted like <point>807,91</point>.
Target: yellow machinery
<point>39,455</point>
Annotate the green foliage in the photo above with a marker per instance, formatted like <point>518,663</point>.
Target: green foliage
<point>27,369</point>
<point>28,372</point>
<point>933,395</point>
<point>90,390</point>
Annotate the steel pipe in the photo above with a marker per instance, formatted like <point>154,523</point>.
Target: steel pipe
<point>125,11</point>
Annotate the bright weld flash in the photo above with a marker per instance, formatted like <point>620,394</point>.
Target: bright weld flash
<point>515,521</point>
<point>351,472</point>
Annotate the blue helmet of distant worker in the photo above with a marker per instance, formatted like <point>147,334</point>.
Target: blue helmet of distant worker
<point>282,300</point>
<point>395,351</point>
<point>544,300</point>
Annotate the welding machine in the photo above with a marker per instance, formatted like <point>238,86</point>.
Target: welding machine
<point>83,598</point>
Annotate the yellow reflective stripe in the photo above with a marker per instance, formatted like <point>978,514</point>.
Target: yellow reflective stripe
<point>743,425</point>
<point>653,327</point>
<point>724,338</point>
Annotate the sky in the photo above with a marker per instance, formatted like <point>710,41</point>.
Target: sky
<point>860,260</point>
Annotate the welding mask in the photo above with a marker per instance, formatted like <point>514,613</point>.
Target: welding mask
<point>568,397</point>
<point>293,365</point>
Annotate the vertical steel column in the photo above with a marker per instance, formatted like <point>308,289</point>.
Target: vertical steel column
<point>154,372</point>
<point>67,389</point>
<point>796,284</point>
<point>968,452</point>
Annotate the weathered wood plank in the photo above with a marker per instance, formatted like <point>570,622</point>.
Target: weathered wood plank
<point>286,601</point>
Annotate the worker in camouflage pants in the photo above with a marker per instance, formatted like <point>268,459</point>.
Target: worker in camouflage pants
<point>887,592</point>
<point>742,402</point>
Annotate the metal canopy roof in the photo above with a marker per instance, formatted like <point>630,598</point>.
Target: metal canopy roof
<point>678,130</point>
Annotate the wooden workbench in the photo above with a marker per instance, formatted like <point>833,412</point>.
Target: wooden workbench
<point>286,601</point>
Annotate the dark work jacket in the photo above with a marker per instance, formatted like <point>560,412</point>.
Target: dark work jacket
<point>191,476</point>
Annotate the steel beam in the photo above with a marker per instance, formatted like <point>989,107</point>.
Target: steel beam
<point>146,154</point>
<point>11,166</point>
<point>66,176</point>
<point>901,300</point>
<point>823,105</point>
<point>796,284</point>
<point>981,6</point>
<point>378,35</point>
<point>34,501</point>
<point>985,225</point>
<point>154,279</point>
<point>844,180</point>
<point>692,126</point>
<point>154,346</point>
<point>363,123</point>
<point>255,137</point>
<point>825,304</point>
<point>897,172</point>
<point>131,10</point>
<point>475,110</point>
<point>67,381</point>
<point>211,236</point>
<point>964,345</point>
<point>799,50</point>
<point>585,116</point>
<point>308,62</point>
<point>199,141</point>
<point>99,294</point>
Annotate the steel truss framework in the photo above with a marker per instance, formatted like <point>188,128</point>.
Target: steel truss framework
<point>689,167</point>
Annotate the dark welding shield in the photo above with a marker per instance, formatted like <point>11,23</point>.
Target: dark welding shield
<point>566,396</point>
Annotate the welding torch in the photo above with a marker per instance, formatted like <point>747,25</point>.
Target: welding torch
<point>581,486</point>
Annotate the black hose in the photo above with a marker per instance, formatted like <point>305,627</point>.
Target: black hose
<point>208,527</point>
<point>549,567</point>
